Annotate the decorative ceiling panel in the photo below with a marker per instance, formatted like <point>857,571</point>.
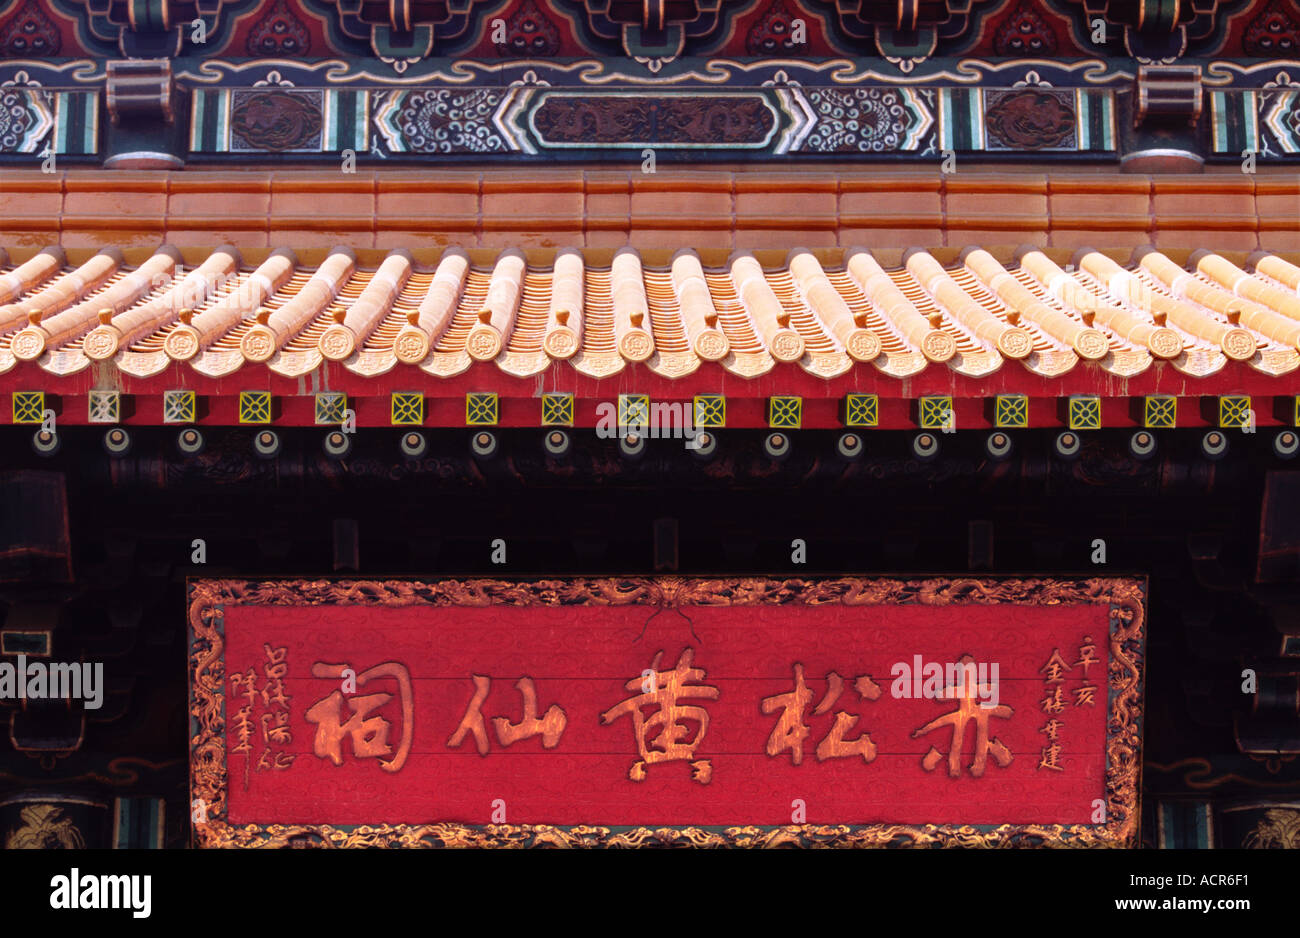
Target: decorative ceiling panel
<point>405,32</point>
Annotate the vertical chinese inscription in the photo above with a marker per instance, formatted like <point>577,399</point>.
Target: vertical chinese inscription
<point>272,727</point>
<point>243,686</point>
<point>1054,703</point>
<point>275,721</point>
<point>1085,693</point>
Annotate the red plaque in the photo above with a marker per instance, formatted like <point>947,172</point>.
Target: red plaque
<point>645,711</point>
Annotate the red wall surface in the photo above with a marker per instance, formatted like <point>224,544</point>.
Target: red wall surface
<point>581,657</point>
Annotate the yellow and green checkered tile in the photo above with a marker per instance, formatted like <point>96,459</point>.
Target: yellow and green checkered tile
<point>785,413</point>
<point>481,409</point>
<point>1160,412</point>
<point>104,407</point>
<point>936,412</point>
<point>180,407</point>
<point>254,406</point>
<point>1234,411</point>
<point>557,410</point>
<point>29,406</point>
<point>634,410</point>
<point>407,409</point>
<point>331,408</point>
<point>861,410</point>
<point>710,410</point>
<point>1085,413</point>
<point>1011,411</point>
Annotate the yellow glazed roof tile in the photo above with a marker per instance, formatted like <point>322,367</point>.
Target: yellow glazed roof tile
<point>746,314</point>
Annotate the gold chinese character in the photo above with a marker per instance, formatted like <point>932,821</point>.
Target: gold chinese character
<point>1087,655</point>
<point>1051,755</point>
<point>790,730</point>
<point>279,733</point>
<point>549,727</point>
<point>472,721</point>
<point>969,709</point>
<point>275,760</point>
<point>1083,695</point>
<point>1052,728</point>
<point>275,668</point>
<point>834,745</point>
<point>1055,668</point>
<point>248,679</point>
<point>369,737</point>
<point>1053,703</point>
<point>244,731</point>
<point>663,689</point>
<point>244,724</point>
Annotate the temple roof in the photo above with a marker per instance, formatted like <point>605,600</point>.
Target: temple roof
<point>601,312</point>
<point>749,285</point>
<point>1032,322</point>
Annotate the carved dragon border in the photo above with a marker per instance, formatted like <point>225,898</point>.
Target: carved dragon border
<point>1126,599</point>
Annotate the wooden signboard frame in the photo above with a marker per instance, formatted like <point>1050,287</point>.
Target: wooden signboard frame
<point>1124,600</point>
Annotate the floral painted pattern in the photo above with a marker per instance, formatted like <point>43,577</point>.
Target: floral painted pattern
<point>858,120</point>
<point>450,121</point>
